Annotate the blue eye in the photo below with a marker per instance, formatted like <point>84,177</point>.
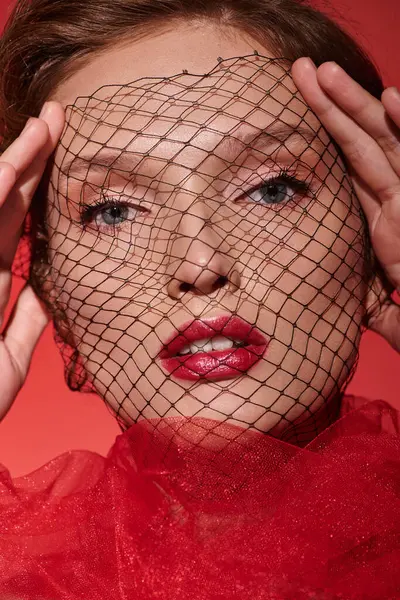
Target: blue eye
<point>274,193</point>
<point>278,190</point>
<point>112,215</point>
<point>108,214</point>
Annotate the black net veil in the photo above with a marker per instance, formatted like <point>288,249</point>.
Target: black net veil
<point>202,252</point>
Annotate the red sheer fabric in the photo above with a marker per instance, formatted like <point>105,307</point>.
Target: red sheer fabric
<point>171,514</point>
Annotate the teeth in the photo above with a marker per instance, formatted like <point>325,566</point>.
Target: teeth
<point>200,346</point>
<point>201,343</point>
<point>222,343</point>
<point>218,342</point>
<point>185,350</point>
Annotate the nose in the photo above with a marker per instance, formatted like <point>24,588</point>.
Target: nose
<point>200,262</point>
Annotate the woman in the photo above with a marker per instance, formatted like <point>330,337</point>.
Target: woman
<point>200,232</point>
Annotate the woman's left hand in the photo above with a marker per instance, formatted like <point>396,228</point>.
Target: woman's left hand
<point>368,132</point>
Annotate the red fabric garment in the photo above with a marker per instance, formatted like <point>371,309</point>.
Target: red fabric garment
<point>241,516</point>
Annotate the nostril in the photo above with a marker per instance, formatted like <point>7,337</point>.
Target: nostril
<point>220,282</point>
<point>185,286</point>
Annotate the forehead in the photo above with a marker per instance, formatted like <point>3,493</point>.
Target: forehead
<point>238,99</point>
<point>234,86</point>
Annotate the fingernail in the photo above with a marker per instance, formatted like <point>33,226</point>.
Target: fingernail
<point>44,111</point>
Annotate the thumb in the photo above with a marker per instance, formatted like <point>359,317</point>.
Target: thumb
<point>387,324</point>
<point>25,326</point>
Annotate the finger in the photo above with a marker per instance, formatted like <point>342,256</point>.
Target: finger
<point>366,110</point>
<point>370,204</point>
<point>391,102</point>
<point>43,134</point>
<point>20,153</point>
<point>20,337</point>
<point>26,324</point>
<point>386,323</point>
<point>53,117</point>
<point>26,146</point>
<point>28,156</point>
<point>8,177</point>
<point>14,205</point>
<point>363,153</point>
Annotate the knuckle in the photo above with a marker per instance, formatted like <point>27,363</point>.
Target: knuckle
<point>356,152</point>
<point>325,110</point>
<point>387,193</point>
<point>389,144</point>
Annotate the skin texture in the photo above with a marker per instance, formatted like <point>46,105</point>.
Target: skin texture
<point>284,375</point>
<point>121,290</point>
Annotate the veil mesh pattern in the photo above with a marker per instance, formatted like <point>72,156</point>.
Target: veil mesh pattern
<point>203,254</point>
<point>207,209</point>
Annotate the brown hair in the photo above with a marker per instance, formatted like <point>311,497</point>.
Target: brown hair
<point>44,39</point>
<point>47,40</point>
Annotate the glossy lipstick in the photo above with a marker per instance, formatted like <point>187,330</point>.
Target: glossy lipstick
<point>214,365</point>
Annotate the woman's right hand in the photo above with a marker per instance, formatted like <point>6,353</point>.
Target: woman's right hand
<point>21,168</point>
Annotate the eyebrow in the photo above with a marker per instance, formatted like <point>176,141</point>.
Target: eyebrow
<point>125,160</point>
<point>280,132</point>
<point>105,158</point>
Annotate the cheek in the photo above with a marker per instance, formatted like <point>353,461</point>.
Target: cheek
<point>315,256</point>
<point>300,264</point>
<point>311,286</point>
<point>302,282</point>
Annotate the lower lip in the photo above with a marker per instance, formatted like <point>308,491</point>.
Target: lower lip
<point>215,365</point>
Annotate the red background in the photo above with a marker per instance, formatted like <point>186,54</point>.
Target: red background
<point>47,418</point>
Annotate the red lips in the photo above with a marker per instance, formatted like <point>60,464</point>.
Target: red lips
<point>216,364</point>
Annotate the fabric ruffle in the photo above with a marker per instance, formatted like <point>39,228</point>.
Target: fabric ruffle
<point>194,510</point>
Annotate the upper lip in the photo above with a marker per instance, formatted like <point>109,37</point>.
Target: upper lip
<point>232,327</point>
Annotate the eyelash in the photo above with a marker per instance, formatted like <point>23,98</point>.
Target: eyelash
<point>88,212</point>
<point>289,177</point>
<point>286,176</point>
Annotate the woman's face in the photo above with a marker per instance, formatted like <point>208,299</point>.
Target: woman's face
<point>205,245</point>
